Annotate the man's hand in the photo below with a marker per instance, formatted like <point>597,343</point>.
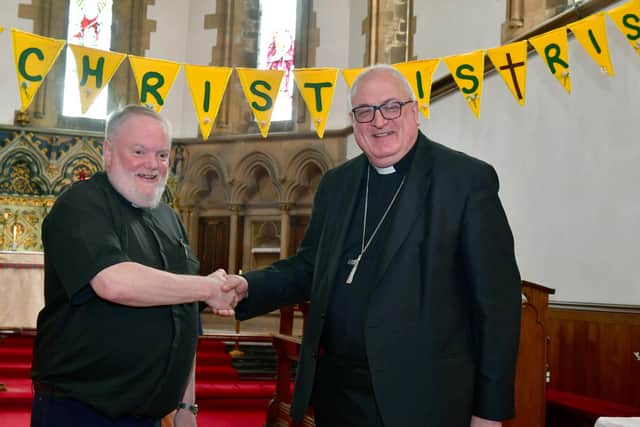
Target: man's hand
<point>221,302</point>
<point>481,422</point>
<point>235,285</point>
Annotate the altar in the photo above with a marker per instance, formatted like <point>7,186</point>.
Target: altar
<point>21,288</point>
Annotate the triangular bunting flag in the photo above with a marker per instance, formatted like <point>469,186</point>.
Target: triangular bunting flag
<point>261,89</point>
<point>468,72</point>
<point>154,78</point>
<point>591,32</point>
<point>317,86</point>
<point>95,69</point>
<point>627,19</point>
<point>34,56</point>
<point>207,86</point>
<point>419,74</point>
<point>350,75</point>
<point>511,63</point>
<point>553,48</point>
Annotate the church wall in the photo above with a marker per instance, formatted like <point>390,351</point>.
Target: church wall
<point>567,163</point>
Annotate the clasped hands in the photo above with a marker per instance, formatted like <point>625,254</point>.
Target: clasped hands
<point>228,291</point>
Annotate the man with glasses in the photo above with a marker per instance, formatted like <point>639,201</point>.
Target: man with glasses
<point>409,264</point>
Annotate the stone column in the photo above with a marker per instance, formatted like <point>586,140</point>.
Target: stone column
<point>233,238</point>
<point>285,228</point>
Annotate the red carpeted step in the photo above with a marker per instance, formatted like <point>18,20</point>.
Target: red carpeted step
<point>235,389</point>
<point>18,395</point>
<point>211,345</point>
<point>15,369</point>
<point>215,373</point>
<point>15,354</point>
<point>213,358</point>
<point>23,341</point>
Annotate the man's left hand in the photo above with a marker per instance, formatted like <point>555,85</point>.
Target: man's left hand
<point>481,422</point>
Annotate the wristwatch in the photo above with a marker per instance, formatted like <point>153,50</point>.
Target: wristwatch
<point>187,407</point>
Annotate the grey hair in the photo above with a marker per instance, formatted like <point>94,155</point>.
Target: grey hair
<point>115,121</point>
<point>377,68</point>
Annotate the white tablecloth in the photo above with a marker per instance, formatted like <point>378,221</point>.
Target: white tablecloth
<point>618,422</point>
<point>21,288</point>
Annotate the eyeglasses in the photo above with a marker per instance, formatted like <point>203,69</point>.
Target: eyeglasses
<point>389,111</point>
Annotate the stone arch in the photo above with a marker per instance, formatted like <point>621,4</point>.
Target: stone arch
<point>258,179</point>
<point>207,174</point>
<point>76,168</point>
<point>21,173</point>
<point>304,173</point>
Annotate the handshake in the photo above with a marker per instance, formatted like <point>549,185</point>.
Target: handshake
<point>227,291</point>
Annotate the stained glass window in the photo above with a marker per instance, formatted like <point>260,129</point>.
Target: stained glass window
<point>276,49</point>
<point>89,25</point>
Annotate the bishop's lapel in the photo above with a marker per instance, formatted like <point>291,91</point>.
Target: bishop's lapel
<point>341,213</point>
<point>410,204</point>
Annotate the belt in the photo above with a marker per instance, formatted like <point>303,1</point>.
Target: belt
<point>44,389</point>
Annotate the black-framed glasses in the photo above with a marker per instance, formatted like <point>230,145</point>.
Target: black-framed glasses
<point>389,110</point>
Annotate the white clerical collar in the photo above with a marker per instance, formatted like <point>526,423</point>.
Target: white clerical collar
<point>384,171</point>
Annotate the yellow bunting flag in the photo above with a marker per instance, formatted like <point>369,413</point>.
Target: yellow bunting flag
<point>419,74</point>
<point>591,32</point>
<point>627,19</point>
<point>207,86</point>
<point>317,86</point>
<point>511,63</point>
<point>34,56</point>
<point>553,48</point>
<point>154,78</point>
<point>350,75</point>
<point>1,28</point>
<point>95,69</point>
<point>468,72</point>
<point>261,89</point>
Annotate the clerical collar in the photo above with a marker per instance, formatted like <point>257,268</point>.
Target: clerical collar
<point>384,171</point>
<point>402,166</point>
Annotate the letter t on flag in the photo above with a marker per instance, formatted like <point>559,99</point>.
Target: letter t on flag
<point>317,86</point>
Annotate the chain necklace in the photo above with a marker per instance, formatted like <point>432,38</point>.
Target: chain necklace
<point>354,262</point>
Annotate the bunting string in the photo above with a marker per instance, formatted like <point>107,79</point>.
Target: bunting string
<point>34,56</point>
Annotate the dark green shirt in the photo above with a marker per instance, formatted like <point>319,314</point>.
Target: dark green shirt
<point>120,360</point>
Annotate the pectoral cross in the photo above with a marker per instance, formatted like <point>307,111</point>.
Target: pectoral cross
<point>354,262</point>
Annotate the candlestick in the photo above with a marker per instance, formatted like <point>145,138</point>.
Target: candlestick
<point>15,237</point>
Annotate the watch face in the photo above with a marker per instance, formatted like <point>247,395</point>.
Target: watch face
<point>191,408</point>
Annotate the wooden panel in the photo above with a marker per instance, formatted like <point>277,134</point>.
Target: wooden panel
<point>591,353</point>
<point>530,384</point>
<point>213,243</point>
<point>298,226</point>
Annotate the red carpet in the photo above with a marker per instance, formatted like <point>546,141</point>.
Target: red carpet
<point>224,399</point>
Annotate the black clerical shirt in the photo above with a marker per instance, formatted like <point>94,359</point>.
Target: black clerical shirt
<point>343,334</point>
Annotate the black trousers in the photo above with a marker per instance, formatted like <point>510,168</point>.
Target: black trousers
<point>343,395</point>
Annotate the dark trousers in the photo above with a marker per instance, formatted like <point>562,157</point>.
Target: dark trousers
<point>343,395</point>
<point>50,411</point>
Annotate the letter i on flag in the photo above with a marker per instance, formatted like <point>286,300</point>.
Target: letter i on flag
<point>468,73</point>
<point>317,86</point>
<point>419,75</point>
<point>553,48</point>
<point>154,78</point>
<point>261,89</point>
<point>95,69</point>
<point>34,56</point>
<point>207,86</point>
<point>627,19</point>
<point>350,75</point>
<point>511,63</point>
<point>591,32</point>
